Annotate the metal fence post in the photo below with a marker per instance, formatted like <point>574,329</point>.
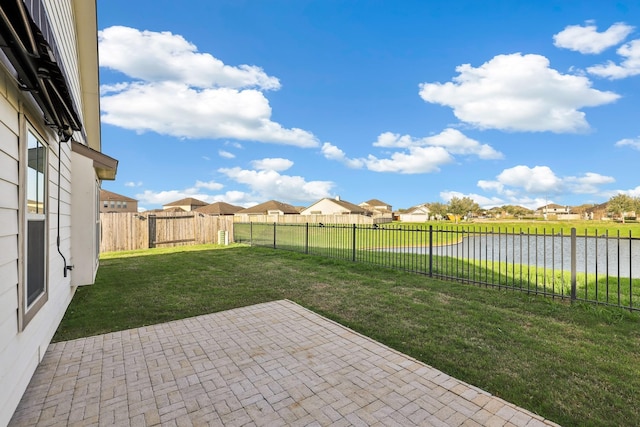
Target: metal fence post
<point>573,265</point>
<point>251,233</point>
<point>306,239</point>
<point>274,234</point>
<point>430,250</point>
<point>353,244</point>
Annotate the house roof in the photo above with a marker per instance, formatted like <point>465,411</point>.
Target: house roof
<point>344,204</point>
<point>108,195</point>
<point>600,207</point>
<point>219,208</point>
<point>271,205</point>
<point>375,202</point>
<point>189,201</point>
<point>164,211</point>
<point>419,209</point>
<point>350,206</point>
<point>551,206</point>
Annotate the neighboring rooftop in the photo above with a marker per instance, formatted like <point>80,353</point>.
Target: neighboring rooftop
<point>271,205</point>
<point>109,195</point>
<point>189,201</point>
<point>219,208</point>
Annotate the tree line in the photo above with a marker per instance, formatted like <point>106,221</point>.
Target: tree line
<point>619,206</point>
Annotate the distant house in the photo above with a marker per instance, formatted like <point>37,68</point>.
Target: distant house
<point>51,170</point>
<point>189,204</point>
<point>272,207</point>
<point>552,209</point>
<point>219,209</point>
<point>113,202</point>
<point>335,206</point>
<point>419,213</point>
<point>376,206</point>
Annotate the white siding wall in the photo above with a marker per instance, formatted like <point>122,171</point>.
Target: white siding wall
<point>9,201</point>
<point>324,207</point>
<point>60,13</point>
<point>84,215</point>
<point>21,351</point>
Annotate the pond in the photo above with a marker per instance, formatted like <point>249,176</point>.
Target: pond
<point>604,256</point>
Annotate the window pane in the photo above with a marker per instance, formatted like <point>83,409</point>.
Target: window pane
<point>35,260</point>
<point>36,162</point>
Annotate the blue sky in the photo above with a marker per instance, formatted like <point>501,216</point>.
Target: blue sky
<point>507,102</point>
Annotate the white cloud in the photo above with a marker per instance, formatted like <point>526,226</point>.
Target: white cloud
<point>633,143</point>
<point>107,89</point>
<point>234,144</point>
<point>587,39</point>
<point>178,110</point>
<point>587,184</point>
<point>211,185</point>
<point>495,186</point>
<point>454,141</point>
<point>275,164</point>
<point>518,93</point>
<point>226,154</point>
<point>630,66</point>
<point>634,192</point>
<point>541,180</point>
<point>332,152</point>
<point>179,92</point>
<point>269,184</point>
<point>418,155</point>
<point>163,56</point>
<point>416,160</point>
<point>133,184</point>
<point>413,160</point>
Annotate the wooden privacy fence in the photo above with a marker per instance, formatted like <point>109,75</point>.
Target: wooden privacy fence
<point>130,231</point>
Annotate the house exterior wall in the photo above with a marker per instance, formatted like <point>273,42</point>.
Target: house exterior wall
<point>414,217</point>
<point>112,203</point>
<point>325,207</point>
<point>26,329</point>
<point>85,239</point>
<point>22,344</point>
<point>118,206</point>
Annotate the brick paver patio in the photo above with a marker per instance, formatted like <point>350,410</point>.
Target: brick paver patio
<point>271,364</point>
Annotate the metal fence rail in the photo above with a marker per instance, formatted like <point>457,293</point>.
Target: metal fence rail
<point>600,269</point>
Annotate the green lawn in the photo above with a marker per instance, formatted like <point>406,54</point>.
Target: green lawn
<point>574,364</point>
<point>364,244</point>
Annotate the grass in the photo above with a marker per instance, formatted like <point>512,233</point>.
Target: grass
<point>362,243</point>
<point>574,364</point>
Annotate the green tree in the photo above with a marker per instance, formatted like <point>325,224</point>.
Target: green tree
<point>462,206</point>
<point>437,209</point>
<point>621,203</point>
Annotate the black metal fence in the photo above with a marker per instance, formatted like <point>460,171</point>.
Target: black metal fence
<point>600,268</point>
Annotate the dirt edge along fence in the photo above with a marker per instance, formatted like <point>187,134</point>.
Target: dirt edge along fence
<point>130,231</point>
<point>599,268</point>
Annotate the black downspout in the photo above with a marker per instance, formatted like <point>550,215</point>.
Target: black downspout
<point>64,137</point>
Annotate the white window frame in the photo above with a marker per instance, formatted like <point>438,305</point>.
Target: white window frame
<point>28,309</point>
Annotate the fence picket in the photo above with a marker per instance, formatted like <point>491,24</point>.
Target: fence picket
<point>131,231</point>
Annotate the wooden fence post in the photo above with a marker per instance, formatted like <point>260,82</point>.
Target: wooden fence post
<point>152,231</point>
